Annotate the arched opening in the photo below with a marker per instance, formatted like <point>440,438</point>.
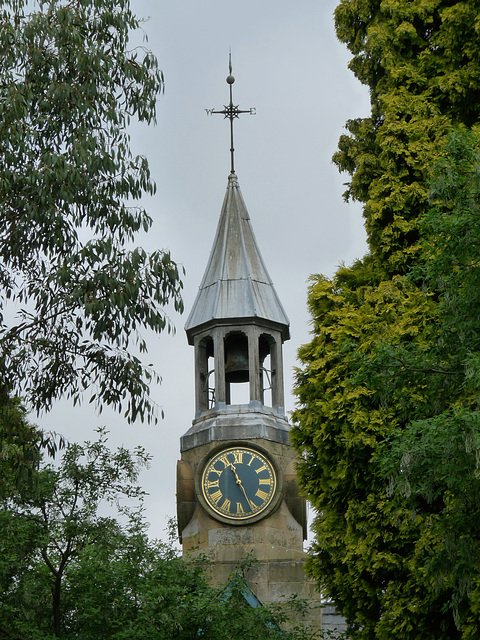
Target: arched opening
<point>206,374</point>
<point>237,372</point>
<point>266,344</point>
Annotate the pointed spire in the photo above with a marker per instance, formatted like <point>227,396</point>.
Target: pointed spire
<point>236,284</point>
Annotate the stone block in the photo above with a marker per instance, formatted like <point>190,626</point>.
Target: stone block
<point>286,572</point>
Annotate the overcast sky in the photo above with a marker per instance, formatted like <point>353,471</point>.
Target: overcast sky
<point>289,65</point>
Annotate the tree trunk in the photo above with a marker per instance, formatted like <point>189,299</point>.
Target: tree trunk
<point>56,592</point>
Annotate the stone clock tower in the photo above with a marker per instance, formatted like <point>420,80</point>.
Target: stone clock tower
<point>236,486</point>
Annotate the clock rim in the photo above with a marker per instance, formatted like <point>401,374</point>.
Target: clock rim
<point>275,502</point>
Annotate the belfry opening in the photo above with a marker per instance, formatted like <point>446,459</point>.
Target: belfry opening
<point>238,366</point>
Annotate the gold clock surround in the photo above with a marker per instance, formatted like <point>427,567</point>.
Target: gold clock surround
<point>239,484</point>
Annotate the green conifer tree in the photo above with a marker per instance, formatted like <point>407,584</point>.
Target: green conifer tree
<point>421,62</point>
<point>376,363</point>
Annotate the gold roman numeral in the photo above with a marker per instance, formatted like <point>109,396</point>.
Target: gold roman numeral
<point>262,468</point>
<point>215,497</point>
<point>226,505</point>
<point>226,462</point>
<point>262,494</point>
<point>240,510</point>
<point>213,483</point>
<point>265,481</point>
<point>237,457</point>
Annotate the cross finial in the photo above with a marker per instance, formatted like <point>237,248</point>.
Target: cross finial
<point>231,111</point>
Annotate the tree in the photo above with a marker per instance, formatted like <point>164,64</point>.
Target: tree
<point>74,291</point>
<point>70,570</point>
<point>384,353</point>
<point>61,515</point>
<point>353,393</point>
<point>20,445</point>
<point>434,460</point>
<point>422,66</point>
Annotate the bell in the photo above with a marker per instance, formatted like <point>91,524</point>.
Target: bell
<point>236,359</point>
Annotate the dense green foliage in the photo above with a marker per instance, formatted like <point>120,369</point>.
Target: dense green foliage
<point>388,389</point>
<point>19,448</point>
<point>435,459</point>
<point>389,426</point>
<point>54,519</point>
<point>421,62</point>
<point>73,290</point>
<point>73,568</point>
<point>353,391</point>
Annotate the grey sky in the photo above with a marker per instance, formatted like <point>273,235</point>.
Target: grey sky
<point>289,65</point>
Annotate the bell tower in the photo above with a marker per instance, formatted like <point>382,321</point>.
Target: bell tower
<point>237,492</point>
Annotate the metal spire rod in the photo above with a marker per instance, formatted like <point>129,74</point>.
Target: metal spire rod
<point>231,112</point>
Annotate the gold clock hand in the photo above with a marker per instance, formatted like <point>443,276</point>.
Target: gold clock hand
<point>239,482</point>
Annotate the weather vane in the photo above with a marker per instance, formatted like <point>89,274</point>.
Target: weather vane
<point>231,111</point>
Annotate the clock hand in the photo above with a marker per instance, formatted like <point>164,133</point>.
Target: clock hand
<point>239,482</point>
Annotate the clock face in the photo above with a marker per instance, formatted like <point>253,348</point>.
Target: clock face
<point>239,483</point>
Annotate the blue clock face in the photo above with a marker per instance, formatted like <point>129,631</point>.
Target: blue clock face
<point>239,483</point>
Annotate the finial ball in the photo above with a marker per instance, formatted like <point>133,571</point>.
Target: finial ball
<point>230,79</point>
